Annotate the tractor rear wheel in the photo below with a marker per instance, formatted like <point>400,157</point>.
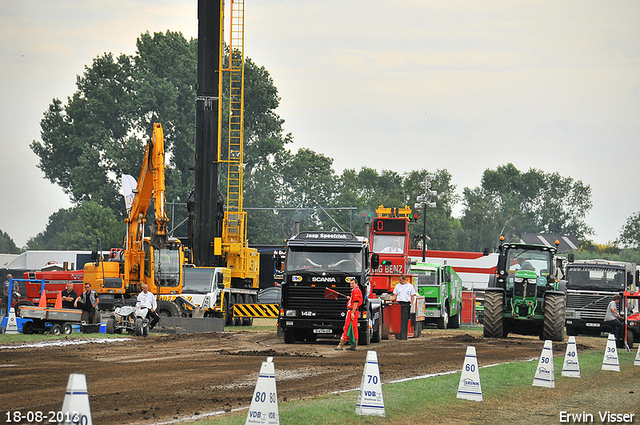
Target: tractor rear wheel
<point>493,320</point>
<point>554,309</point>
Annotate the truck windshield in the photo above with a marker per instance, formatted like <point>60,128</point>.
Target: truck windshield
<point>388,243</point>
<point>595,278</point>
<point>167,267</point>
<point>527,259</point>
<point>303,259</point>
<point>426,277</point>
<point>197,281</point>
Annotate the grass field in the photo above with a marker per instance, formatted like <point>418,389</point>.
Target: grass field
<point>509,398</point>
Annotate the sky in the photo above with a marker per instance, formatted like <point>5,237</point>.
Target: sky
<point>427,84</point>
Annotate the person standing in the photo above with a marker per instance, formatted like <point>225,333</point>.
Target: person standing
<point>88,301</point>
<point>69,296</point>
<point>612,317</point>
<point>351,320</point>
<point>147,300</point>
<point>404,293</point>
<point>5,291</point>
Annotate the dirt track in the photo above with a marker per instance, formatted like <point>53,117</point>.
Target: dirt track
<point>165,377</point>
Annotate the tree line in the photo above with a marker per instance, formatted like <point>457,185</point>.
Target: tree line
<point>99,133</point>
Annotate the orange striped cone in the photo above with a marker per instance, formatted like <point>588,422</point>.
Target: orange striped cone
<point>58,300</point>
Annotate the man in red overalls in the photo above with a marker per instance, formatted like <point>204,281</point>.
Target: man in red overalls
<point>355,300</point>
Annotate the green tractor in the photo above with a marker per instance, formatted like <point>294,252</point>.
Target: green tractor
<point>524,297</point>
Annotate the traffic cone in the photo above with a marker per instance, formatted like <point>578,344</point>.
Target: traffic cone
<point>58,300</point>
<point>264,403</point>
<point>571,366</point>
<point>75,406</point>
<point>610,359</point>
<point>370,400</point>
<point>43,300</point>
<point>544,373</point>
<point>469,387</point>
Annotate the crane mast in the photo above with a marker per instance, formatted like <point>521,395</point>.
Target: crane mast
<point>219,237</point>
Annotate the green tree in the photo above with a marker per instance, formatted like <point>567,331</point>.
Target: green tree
<point>630,233</point>
<point>100,133</point>
<point>78,228</point>
<point>7,245</point>
<point>510,202</point>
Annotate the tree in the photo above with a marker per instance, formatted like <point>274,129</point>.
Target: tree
<point>100,133</point>
<point>7,245</point>
<point>510,203</point>
<point>78,228</point>
<point>630,233</point>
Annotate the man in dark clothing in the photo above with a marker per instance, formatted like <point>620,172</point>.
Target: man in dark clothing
<point>69,296</point>
<point>88,301</point>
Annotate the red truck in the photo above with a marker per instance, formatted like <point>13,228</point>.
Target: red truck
<point>54,281</point>
<point>390,243</point>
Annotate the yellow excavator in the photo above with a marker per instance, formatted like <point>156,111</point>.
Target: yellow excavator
<point>155,259</point>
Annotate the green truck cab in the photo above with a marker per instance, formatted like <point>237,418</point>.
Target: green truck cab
<point>441,288</point>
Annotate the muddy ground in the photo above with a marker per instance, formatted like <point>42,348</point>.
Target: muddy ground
<point>166,377</point>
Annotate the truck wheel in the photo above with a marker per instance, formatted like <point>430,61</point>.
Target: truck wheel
<point>237,299</point>
<point>55,329</point>
<point>139,327</point>
<point>168,309</point>
<point>67,328</point>
<point>455,319</point>
<point>289,336</point>
<point>377,332</point>
<point>493,320</point>
<point>364,337</point>
<point>247,321</point>
<point>443,321</point>
<point>554,309</point>
<point>109,326</point>
<point>228,313</point>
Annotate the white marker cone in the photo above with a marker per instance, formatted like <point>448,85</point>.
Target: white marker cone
<point>469,387</point>
<point>637,361</point>
<point>571,366</point>
<point>610,360</point>
<point>12,322</point>
<point>264,404</point>
<point>544,373</point>
<point>75,407</point>
<point>370,400</point>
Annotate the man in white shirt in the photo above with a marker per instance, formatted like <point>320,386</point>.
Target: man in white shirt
<point>404,293</point>
<point>395,246</point>
<point>147,300</point>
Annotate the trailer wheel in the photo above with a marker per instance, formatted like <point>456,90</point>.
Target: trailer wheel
<point>493,321</point>
<point>554,309</point>
<point>27,328</point>
<point>109,326</point>
<point>55,329</point>
<point>67,328</point>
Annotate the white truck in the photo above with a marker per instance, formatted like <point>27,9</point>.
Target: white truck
<point>207,292</point>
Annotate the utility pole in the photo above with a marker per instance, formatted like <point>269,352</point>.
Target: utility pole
<point>424,202</point>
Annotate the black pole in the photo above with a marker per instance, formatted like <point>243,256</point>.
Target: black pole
<point>207,217</point>
<point>424,232</point>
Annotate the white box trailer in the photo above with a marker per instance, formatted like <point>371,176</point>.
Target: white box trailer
<point>36,260</point>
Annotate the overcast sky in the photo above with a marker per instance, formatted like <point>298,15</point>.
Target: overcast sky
<point>456,85</point>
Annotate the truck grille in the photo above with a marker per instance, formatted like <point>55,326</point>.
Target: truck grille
<point>305,298</point>
<point>589,306</point>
